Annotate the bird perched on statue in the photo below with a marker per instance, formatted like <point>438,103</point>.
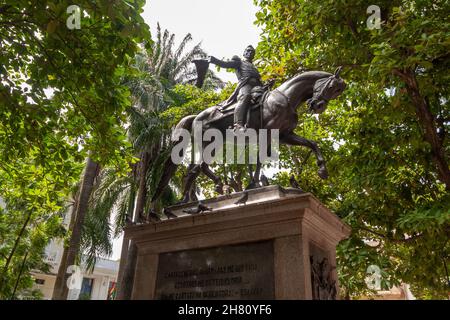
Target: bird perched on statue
<point>153,216</point>
<point>226,190</point>
<point>128,221</point>
<point>198,209</point>
<point>169,214</point>
<point>294,183</point>
<point>243,199</point>
<point>203,208</point>
<point>264,180</point>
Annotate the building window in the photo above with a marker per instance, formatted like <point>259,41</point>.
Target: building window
<point>86,289</point>
<point>39,281</point>
<point>51,257</point>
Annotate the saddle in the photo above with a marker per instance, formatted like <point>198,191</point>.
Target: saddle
<point>258,95</point>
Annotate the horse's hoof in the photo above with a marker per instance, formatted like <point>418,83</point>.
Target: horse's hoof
<point>253,185</point>
<point>323,173</point>
<point>183,201</point>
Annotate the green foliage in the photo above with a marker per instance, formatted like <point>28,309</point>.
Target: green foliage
<point>61,94</point>
<point>384,180</point>
<point>45,131</point>
<point>187,100</point>
<point>23,238</point>
<point>84,296</point>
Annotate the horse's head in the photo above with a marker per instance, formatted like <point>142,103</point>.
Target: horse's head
<point>324,90</point>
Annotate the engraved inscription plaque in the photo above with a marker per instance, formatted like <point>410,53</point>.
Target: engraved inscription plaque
<point>242,271</point>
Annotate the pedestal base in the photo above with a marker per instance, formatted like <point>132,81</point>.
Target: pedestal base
<point>280,245</point>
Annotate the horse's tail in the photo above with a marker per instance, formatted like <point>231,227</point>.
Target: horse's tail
<point>169,166</point>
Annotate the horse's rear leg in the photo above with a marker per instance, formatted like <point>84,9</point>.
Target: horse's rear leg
<point>295,140</point>
<point>193,193</point>
<point>254,176</point>
<point>257,174</point>
<point>257,170</point>
<point>194,171</point>
<point>210,174</point>
<point>250,172</point>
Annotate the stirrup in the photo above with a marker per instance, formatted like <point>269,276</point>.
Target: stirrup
<point>240,128</point>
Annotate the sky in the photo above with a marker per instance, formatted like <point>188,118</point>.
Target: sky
<point>225,28</point>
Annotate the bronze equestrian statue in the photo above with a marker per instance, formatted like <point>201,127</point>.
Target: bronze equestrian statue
<point>279,111</point>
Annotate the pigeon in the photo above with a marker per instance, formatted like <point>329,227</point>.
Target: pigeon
<point>198,209</point>
<point>152,215</point>
<point>203,208</point>
<point>294,183</point>
<point>128,221</point>
<point>227,190</point>
<point>169,214</point>
<point>192,210</point>
<point>242,199</point>
<point>264,180</point>
<point>218,188</point>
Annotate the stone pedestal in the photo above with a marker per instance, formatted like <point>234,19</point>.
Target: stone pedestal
<point>280,245</point>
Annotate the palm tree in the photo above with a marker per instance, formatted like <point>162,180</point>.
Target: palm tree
<point>77,220</point>
<point>158,69</point>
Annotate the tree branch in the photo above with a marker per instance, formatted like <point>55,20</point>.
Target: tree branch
<point>427,122</point>
<point>389,238</point>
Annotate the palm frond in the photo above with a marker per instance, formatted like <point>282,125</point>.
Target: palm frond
<point>187,38</point>
<point>155,73</point>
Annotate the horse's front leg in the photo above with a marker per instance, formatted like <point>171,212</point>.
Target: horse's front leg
<point>257,174</point>
<point>255,177</point>
<point>295,140</point>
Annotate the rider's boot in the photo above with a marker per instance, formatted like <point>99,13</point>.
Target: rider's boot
<point>240,114</point>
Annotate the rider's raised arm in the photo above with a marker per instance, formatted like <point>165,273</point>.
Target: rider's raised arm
<point>233,63</point>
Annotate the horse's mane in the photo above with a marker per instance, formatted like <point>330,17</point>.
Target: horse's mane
<point>310,75</point>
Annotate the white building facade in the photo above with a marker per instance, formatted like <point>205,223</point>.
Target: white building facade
<point>100,284</point>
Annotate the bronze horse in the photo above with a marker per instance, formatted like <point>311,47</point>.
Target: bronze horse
<point>279,111</point>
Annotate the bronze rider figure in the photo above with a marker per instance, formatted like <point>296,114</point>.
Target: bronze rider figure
<point>248,78</point>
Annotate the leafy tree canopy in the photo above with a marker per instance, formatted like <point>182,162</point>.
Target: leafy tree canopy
<point>385,139</point>
<point>60,95</point>
<point>60,89</point>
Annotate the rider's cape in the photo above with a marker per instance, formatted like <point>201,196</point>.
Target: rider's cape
<point>233,98</point>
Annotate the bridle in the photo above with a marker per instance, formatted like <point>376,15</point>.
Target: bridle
<point>323,84</point>
<point>319,90</point>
